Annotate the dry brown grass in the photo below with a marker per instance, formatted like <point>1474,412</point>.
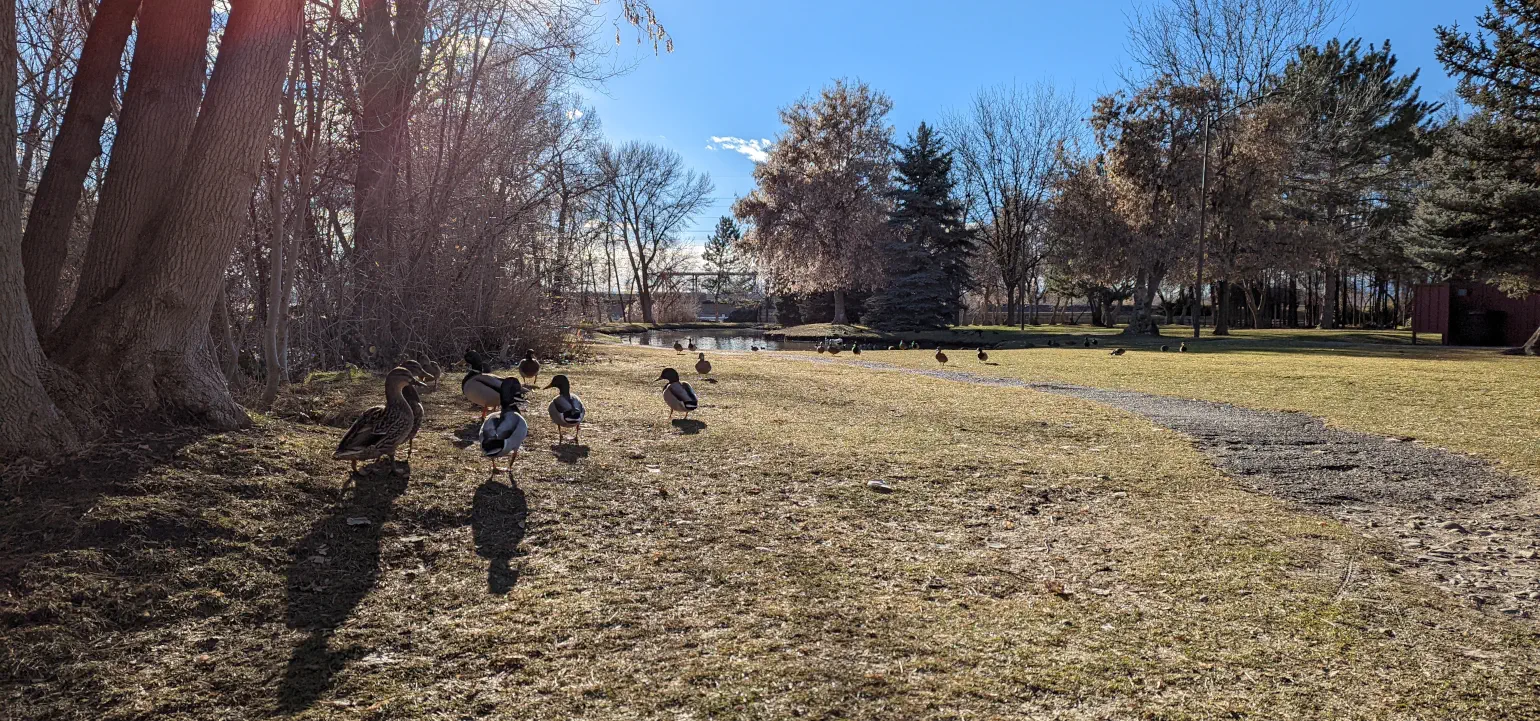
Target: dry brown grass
<point>1474,401</point>
<point>1040,557</point>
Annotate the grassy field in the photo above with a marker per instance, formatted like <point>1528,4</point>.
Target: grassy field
<point>1038,557</point>
<point>1475,401</point>
<point>1040,335</point>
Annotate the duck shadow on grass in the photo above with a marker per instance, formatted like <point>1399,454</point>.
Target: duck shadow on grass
<point>688,426</point>
<point>335,565</point>
<point>498,517</point>
<point>569,452</point>
<point>468,435</point>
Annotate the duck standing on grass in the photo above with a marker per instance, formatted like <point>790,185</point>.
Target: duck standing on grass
<point>678,347</point>
<point>691,346</point>
<point>566,410</point>
<point>435,372</point>
<point>678,394</point>
<point>381,429</point>
<point>940,357</point>
<point>410,392</point>
<point>703,366</point>
<point>983,357</point>
<point>482,389</point>
<point>529,368</point>
<point>503,433</point>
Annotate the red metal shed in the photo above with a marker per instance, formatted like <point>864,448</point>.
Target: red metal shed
<point>1474,314</point>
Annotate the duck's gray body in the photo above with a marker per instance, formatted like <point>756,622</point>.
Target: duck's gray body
<point>567,411</point>
<point>503,433</point>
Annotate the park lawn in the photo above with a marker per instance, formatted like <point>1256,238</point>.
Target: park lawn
<point>1039,557</point>
<point>1474,401</point>
<point>1040,335</point>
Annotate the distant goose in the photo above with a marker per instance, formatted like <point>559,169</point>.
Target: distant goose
<point>1118,351</point>
<point>678,394</point>
<point>1165,348</point>
<point>856,349</point>
<point>1182,349</point>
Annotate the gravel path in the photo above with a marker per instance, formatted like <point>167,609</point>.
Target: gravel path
<point>1446,517</point>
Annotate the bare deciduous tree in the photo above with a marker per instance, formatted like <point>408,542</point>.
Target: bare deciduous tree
<point>1009,149</point>
<point>649,197</point>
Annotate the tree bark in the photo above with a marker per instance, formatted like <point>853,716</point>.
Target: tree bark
<point>160,109</point>
<point>1329,299</point>
<point>149,347</point>
<point>45,244</point>
<point>1222,307</point>
<point>1532,346</point>
<point>277,298</point>
<point>839,308</point>
<point>30,423</point>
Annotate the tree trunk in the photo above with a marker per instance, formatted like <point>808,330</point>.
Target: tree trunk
<point>1222,308</point>
<point>839,308</point>
<point>46,242</point>
<point>149,345</point>
<point>1142,321</point>
<point>1329,299</point>
<point>160,108</point>
<point>1532,346</point>
<point>277,299</point>
<point>30,423</point>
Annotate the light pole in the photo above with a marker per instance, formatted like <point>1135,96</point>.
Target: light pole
<point>1197,289</point>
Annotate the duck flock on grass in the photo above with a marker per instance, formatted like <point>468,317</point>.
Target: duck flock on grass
<point>382,430</point>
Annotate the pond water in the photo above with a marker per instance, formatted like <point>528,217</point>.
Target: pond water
<point>728,339</point>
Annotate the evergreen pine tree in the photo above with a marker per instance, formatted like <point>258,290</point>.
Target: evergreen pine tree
<point>721,257</point>
<point>1478,214</point>
<point>926,260</point>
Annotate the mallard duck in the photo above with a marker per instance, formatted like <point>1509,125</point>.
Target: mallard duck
<point>566,409</point>
<point>835,348</point>
<point>856,349</point>
<point>678,394</point>
<point>435,371</point>
<point>983,357</point>
<point>482,389</point>
<point>504,432</point>
<point>381,429</point>
<point>940,357</point>
<point>529,368</point>
<point>703,366</point>
<point>410,392</point>
<point>1087,343</point>
<point>1095,342</point>
<point>691,346</point>
<point>1118,351</point>
<point>678,347</point>
<point>820,348</point>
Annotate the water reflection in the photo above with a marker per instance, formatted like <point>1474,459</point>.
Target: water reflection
<point>713,340</point>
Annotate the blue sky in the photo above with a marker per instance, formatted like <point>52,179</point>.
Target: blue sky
<point>735,63</point>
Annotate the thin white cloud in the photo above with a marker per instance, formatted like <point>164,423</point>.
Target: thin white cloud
<point>574,114</point>
<point>757,150</point>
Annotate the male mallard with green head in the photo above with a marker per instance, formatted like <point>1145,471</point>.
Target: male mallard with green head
<point>678,394</point>
<point>503,433</point>
<point>381,429</point>
<point>566,410</point>
<point>478,386</point>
